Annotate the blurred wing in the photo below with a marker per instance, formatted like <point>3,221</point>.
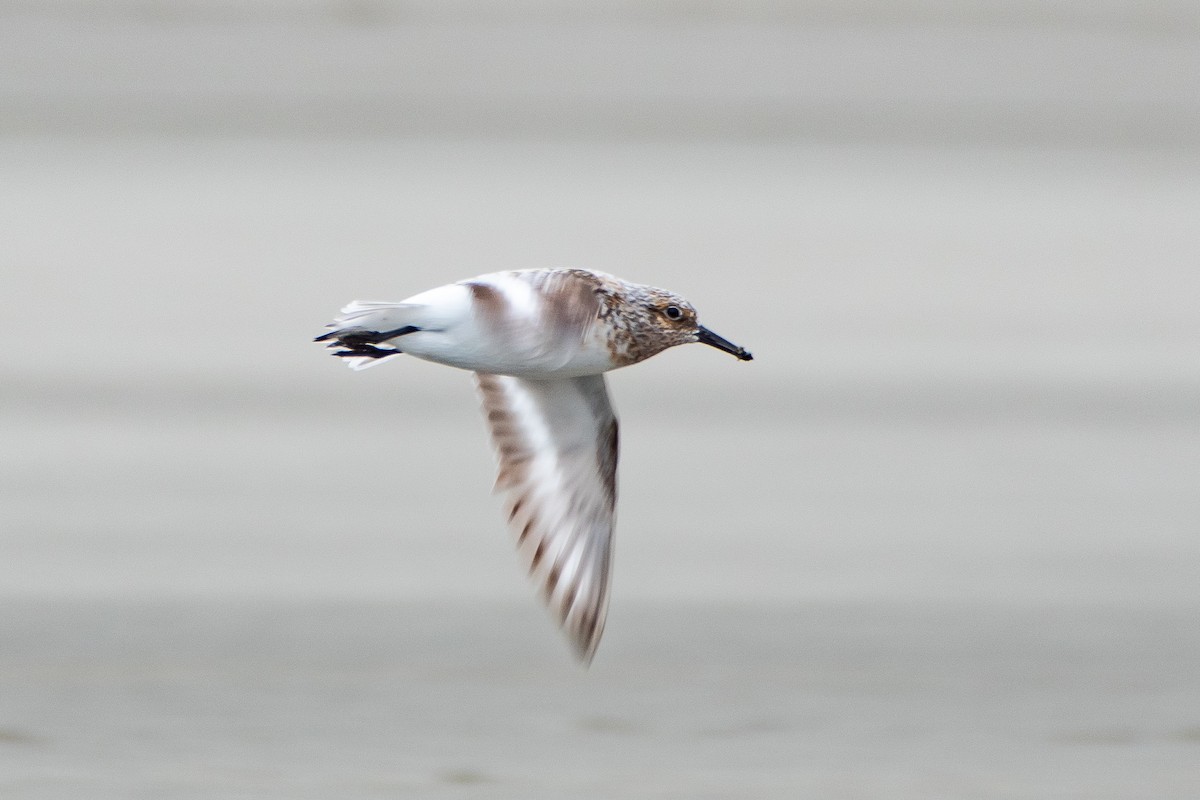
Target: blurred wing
<point>556,442</point>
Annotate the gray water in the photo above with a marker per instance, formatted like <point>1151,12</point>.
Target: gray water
<point>939,540</point>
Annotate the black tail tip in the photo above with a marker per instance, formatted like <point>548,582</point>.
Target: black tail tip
<point>359,350</point>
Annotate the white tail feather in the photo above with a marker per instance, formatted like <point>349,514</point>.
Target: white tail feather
<point>362,362</point>
<point>374,315</point>
<point>370,315</point>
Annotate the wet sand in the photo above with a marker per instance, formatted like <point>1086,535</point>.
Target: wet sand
<point>375,700</point>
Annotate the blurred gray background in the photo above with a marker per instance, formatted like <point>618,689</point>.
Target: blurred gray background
<point>938,540</point>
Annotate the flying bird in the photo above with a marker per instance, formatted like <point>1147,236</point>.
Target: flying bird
<point>539,342</point>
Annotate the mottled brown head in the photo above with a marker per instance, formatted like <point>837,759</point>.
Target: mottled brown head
<point>669,320</point>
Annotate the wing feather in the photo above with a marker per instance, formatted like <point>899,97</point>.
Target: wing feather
<point>556,442</point>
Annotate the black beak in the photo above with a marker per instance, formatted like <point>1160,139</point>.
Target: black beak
<point>706,336</point>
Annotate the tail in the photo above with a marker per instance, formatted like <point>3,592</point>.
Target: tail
<point>366,332</point>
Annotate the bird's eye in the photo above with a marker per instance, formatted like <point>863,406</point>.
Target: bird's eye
<point>672,312</point>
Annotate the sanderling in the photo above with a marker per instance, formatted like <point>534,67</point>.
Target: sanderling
<point>539,342</point>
